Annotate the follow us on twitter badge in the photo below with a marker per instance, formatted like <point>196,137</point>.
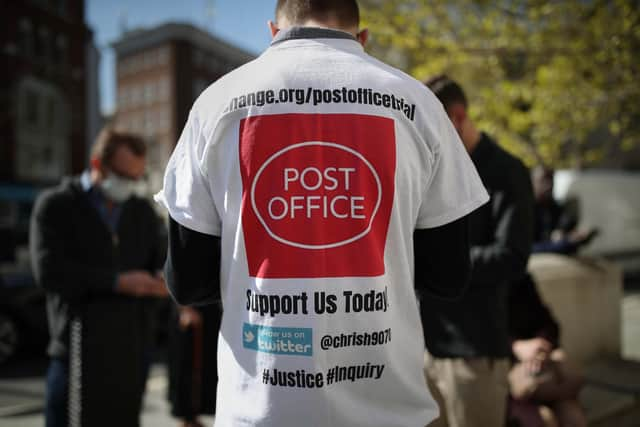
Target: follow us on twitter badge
<point>291,341</point>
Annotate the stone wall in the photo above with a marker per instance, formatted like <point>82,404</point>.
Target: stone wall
<point>585,296</point>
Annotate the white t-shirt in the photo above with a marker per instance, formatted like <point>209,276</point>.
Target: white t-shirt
<point>315,163</point>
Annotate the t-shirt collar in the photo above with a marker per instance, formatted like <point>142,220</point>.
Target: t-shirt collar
<point>297,33</point>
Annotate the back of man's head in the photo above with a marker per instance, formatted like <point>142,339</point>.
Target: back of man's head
<point>340,14</point>
<point>448,91</point>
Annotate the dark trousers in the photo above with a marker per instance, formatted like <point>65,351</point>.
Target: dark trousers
<point>57,397</point>
<point>57,394</point>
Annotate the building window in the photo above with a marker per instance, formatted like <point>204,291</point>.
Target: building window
<point>43,130</point>
<point>199,85</point>
<point>136,124</point>
<point>43,42</point>
<point>149,123</point>
<point>163,89</point>
<point>61,7</point>
<point>61,50</point>
<point>140,125</point>
<point>31,108</point>
<point>136,96</point>
<point>123,98</point>
<point>163,55</point>
<point>125,66</point>
<point>26,37</point>
<point>197,58</point>
<point>149,93</point>
<point>150,59</point>
<point>50,104</point>
<point>125,123</point>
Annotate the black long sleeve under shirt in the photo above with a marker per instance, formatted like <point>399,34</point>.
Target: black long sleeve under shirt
<point>192,269</point>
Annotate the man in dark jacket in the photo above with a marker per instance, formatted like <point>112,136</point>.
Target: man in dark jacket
<point>96,247</point>
<point>555,224</point>
<point>467,340</point>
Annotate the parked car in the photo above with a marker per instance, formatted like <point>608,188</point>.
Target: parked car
<point>23,322</point>
<point>23,325</point>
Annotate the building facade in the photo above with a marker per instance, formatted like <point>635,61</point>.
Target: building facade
<point>43,91</point>
<point>160,72</point>
<point>44,114</point>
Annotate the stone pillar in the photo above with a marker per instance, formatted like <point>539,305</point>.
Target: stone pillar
<point>585,295</point>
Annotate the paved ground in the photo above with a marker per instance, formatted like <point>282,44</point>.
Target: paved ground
<point>21,401</point>
<point>22,395</point>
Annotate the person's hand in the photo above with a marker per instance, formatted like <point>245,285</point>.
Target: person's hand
<point>582,237</point>
<point>160,289</point>
<point>533,366</point>
<point>189,317</point>
<point>534,349</point>
<point>140,283</point>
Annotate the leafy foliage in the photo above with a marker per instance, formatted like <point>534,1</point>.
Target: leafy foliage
<point>555,81</point>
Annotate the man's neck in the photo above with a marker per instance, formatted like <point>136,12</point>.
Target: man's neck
<point>471,137</point>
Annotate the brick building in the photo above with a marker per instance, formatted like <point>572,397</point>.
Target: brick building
<point>48,106</point>
<point>160,72</point>
<point>44,47</point>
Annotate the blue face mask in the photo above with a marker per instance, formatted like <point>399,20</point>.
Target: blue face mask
<point>120,189</point>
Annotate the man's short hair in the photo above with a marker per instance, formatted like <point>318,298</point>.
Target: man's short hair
<point>297,12</point>
<point>108,142</point>
<point>448,91</point>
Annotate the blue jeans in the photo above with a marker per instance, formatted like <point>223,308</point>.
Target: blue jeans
<point>56,411</point>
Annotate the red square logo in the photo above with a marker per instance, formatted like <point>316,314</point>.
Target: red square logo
<point>317,194</point>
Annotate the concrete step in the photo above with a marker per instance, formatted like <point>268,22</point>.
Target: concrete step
<point>605,408</point>
<point>611,397</point>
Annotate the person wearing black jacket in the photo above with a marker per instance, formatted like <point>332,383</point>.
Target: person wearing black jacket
<point>192,361</point>
<point>96,250</point>
<point>544,384</point>
<point>467,340</point>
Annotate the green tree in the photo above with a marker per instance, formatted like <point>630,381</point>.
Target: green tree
<point>554,81</point>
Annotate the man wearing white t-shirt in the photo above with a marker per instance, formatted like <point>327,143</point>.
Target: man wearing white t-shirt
<point>296,194</point>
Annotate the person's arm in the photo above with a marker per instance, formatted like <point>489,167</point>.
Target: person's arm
<point>558,247</point>
<point>442,263</point>
<point>192,268</point>
<point>53,267</point>
<point>158,231</point>
<point>505,259</point>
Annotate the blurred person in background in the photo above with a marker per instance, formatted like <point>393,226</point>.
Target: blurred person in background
<point>193,376</point>
<point>555,224</point>
<point>468,352</point>
<point>543,386</point>
<point>96,247</point>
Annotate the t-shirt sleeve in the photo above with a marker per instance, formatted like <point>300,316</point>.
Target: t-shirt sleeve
<point>186,193</point>
<point>455,189</point>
